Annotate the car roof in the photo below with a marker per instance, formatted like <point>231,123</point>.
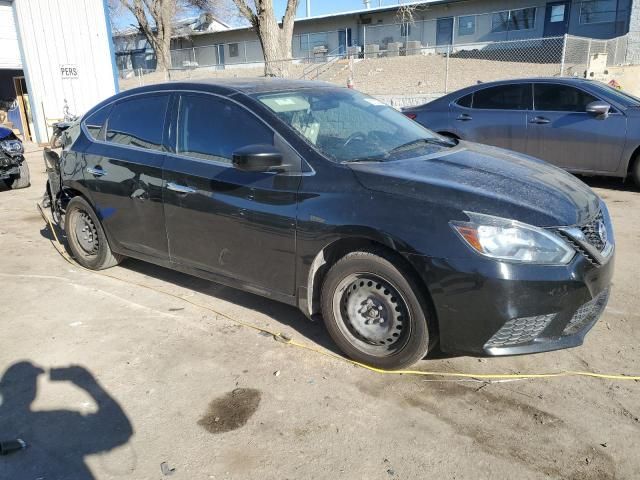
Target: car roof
<point>495,83</point>
<point>230,86</point>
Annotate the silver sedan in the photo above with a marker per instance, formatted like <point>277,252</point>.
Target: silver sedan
<point>583,126</point>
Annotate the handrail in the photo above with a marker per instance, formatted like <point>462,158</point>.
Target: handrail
<point>313,70</point>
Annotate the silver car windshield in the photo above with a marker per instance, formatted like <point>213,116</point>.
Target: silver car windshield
<point>348,126</point>
<point>618,95</point>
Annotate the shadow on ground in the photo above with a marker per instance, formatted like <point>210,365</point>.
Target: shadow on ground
<point>610,183</point>
<point>58,440</point>
<point>280,312</point>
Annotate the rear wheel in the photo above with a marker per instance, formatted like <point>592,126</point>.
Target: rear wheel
<point>86,237</point>
<point>635,171</point>
<point>374,310</point>
<point>23,180</point>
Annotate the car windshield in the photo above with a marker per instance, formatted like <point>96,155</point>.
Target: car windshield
<point>347,126</point>
<point>618,95</point>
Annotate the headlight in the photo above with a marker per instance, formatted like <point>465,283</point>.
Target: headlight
<point>510,240</point>
<point>12,147</point>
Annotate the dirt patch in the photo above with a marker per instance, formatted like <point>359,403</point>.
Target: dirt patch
<point>231,411</point>
<point>480,414</point>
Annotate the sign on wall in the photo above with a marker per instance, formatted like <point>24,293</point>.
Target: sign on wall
<point>69,71</point>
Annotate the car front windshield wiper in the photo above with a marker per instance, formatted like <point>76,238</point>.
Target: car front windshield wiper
<point>377,158</point>
<point>421,141</point>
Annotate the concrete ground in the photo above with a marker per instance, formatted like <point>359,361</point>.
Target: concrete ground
<point>108,380</point>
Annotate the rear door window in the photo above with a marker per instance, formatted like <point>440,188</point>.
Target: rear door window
<point>211,128</point>
<point>554,97</point>
<point>504,97</point>
<point>138,122</point>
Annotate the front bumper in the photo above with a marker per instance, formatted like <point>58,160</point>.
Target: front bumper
<point>486,307</point>
<point>9,166</point>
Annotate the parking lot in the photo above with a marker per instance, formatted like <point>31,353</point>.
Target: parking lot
<point>163,387</point>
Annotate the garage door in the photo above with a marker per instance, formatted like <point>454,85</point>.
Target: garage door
<point>9,49</point>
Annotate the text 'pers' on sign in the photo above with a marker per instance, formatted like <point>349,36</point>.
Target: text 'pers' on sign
<point>69,71</point>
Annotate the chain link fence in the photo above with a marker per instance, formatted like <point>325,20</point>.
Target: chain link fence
<point>405,75</point>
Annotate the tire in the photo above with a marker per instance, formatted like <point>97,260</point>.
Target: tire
<point>374,310</point>
<point>635,171</point>
<point>86,237</point>
<point>23,180</point>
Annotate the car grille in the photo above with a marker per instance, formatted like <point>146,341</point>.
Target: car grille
<point>587,313</point>
<point>520,330</point>
<point>592,233</point>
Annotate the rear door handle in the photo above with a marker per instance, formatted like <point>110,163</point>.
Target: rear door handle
<point>464,117</point>
<point>96,172</point>
<point>180,188</point>
<point>540,120</point>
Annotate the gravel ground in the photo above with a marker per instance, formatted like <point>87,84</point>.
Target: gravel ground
<point>157,380</point>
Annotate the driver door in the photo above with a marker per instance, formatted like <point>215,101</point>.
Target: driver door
<point>222,220</point>
<point>562,132</point>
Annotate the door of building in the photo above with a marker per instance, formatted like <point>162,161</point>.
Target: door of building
<point>556,18</point>
<point>344,40</point>
<point>444,31</point>
<point>22,99</point>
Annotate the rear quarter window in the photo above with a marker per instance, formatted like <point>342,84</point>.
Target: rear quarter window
<point>465,101</point>
<point>94,122</point>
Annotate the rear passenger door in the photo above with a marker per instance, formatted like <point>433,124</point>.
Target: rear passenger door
<point>222,220</point>
<point>562,132</point>
<point>124,173</point>
<point>494,116</point>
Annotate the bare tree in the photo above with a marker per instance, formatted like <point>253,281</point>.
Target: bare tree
<point>275,37</point>
<point>156,19</point>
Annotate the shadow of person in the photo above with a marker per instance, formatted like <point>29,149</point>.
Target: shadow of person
<point>58,440</point>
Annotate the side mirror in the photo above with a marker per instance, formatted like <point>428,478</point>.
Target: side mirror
<point>257,158</point>
<point>598,108</point>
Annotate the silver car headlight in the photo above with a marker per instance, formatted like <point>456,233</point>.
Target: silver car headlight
<point>510,240</point>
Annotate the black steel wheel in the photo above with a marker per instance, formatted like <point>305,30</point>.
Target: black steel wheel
<point>86,237</point>
<point>374,310</point>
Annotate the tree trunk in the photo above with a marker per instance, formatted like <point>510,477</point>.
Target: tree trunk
<point>162,12</point>
<point>163,54</point>
<point>275,39</point>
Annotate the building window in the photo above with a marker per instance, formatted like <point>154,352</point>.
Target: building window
<point>521,19</point>
<point>405,29</point>
<point>234,50</point>
<point>467,25</point>
<point>557,13</point>
<point>598,11</point>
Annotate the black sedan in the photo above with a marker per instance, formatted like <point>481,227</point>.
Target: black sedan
<point>583,126</point>
<point>324,198</point>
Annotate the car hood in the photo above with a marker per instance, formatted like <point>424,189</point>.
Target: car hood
<point>488,180</point>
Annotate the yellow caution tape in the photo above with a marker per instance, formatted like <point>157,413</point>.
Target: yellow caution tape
<point>289,341</point>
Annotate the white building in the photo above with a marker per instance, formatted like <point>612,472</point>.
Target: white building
<point>52,52</point>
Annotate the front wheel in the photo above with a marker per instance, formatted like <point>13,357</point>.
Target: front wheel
<point>86,237</point>
<point>374,311</point>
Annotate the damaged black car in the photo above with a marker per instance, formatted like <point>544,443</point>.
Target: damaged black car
<point>327,199</point>
<point>14,170</point>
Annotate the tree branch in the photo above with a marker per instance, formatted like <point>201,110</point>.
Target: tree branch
<point>246,12</point>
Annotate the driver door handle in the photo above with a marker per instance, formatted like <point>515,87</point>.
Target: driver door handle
<point>540,120</point>
<point>464,117</point>
<point>180,188</point>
